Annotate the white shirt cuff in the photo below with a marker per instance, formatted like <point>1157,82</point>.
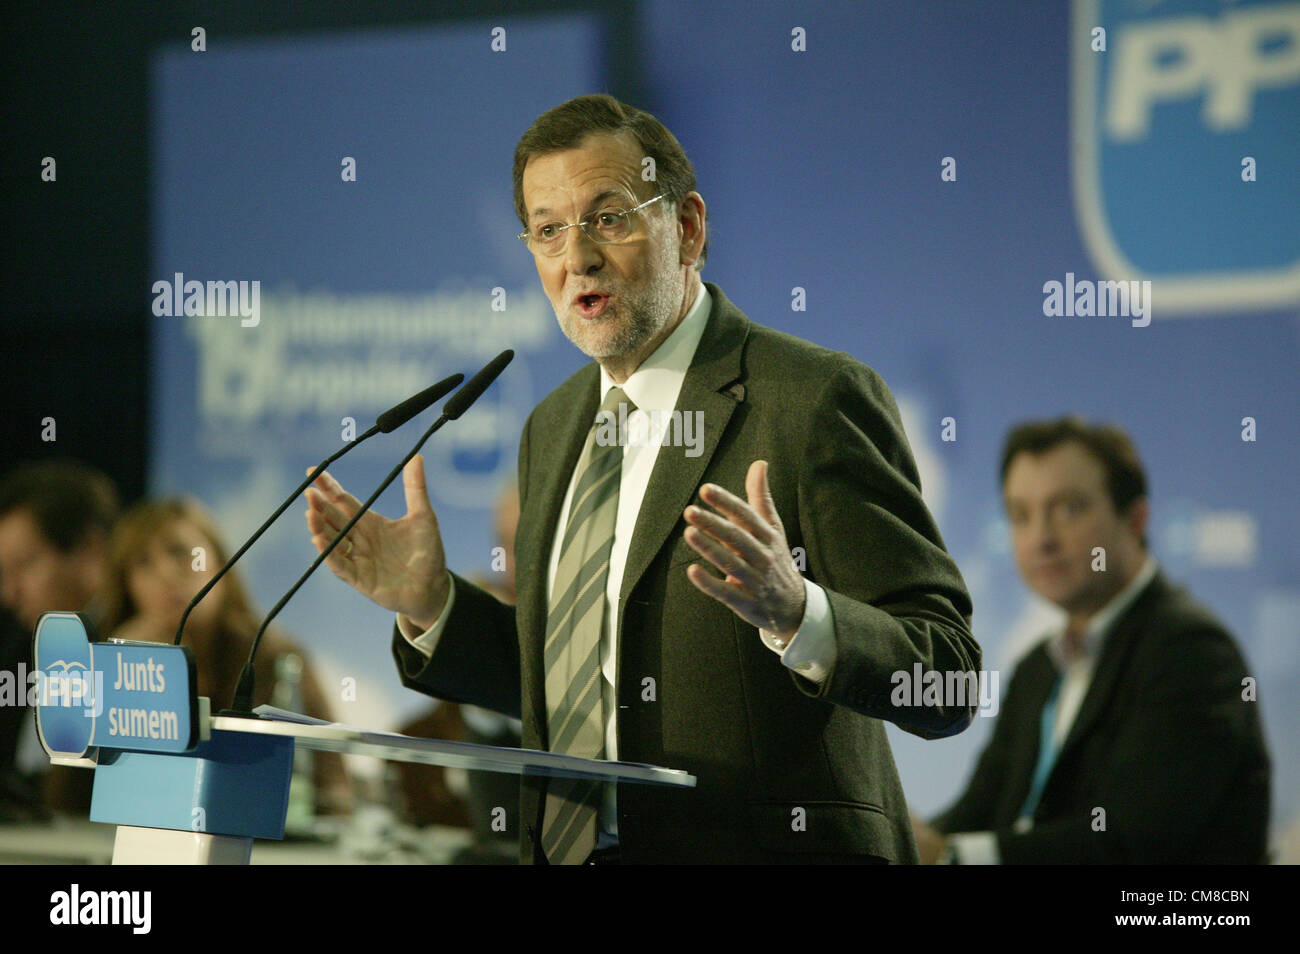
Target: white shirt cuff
<point>811,650</point>
<point>427,641</point>
<point>975,848</point>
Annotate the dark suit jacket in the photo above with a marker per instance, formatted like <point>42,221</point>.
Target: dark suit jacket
<point>1163,742</point>
<point>762,740</point>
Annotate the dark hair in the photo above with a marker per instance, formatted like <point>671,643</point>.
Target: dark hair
<point>66,498</point>
<point>568,124</point>
<point>1126,480</point>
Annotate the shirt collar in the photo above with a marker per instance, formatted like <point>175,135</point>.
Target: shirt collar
<point>1103,620</point>
<point>655,385</point>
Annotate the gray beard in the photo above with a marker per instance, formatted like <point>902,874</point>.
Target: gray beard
<point>645,321</point>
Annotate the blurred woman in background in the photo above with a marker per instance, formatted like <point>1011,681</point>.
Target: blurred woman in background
<point>160,554</point>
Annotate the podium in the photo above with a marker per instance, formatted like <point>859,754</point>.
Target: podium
<point>186,787</point>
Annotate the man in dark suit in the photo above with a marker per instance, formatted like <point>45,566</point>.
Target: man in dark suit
<point>768,684</point>
<point>1133,735</point>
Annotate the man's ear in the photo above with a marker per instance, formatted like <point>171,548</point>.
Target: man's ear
<point>1135,519</point>
<point>692,228</point>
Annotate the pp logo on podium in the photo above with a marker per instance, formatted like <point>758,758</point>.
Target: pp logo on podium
<point>68,688</point>
<point>1183,137</point>
<point>116,695</point>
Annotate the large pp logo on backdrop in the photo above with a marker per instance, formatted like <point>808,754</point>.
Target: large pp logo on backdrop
<point>1188,102</point>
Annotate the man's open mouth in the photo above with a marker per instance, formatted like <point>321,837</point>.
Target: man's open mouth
<point>592,305</point>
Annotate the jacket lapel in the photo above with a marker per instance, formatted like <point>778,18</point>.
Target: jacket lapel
<point>675,478</point>
<point>1110,665</point>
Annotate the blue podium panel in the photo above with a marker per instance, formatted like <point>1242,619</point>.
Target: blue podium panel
<point>113,694</point>
<point>233,784</point>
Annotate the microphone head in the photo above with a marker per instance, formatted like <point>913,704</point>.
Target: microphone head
<point>460,401</point>
<point>399,414</point>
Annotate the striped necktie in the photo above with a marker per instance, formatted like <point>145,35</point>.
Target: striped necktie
<point>575,626</point>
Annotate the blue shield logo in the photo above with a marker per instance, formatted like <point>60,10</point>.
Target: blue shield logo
<point>1186,119</point>
<point>64,659</point>
<point>140,698</point>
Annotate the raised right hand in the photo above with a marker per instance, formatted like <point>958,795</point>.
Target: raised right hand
<point>399,564</point>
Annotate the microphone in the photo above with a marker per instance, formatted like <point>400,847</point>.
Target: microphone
<point>471,392</point>
<point>390,420</point>
<point>399,414</point>
<point>458,404</point>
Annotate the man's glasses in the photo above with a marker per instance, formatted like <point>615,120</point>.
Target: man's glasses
<point>605,226</point>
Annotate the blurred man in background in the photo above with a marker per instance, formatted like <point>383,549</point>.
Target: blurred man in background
<point>55,521</point>
<point>1132,735</point>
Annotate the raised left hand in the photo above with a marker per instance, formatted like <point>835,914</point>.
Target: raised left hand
<point>746,541</point>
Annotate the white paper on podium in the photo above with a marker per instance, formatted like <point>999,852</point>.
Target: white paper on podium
<point>336,737</point>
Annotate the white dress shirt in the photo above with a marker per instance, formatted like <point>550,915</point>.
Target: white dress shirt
<point>1076,667</point>
<point>655,386</point>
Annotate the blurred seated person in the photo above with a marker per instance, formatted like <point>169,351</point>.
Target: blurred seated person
<point>433,795</point>
<point>20,789</point>
<point>55,520</point>
<point>1125,737</point>
<point>160,555</point>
